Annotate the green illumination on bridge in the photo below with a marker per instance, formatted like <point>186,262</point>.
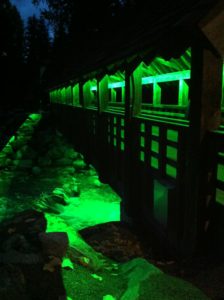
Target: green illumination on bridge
<point>167,77</point>
<point>220,172</point>
<point>142,141</point>
<point>142,156</point>
<point>154,162</point>
<point>172,135</point>
<point>93,88</point>
<point>180,75</point>
<point>75,93</point>
<point>155,146</point>
<point>155,130</point>
<point>142,127</point>
<point>115,85</point>
<point>171,171</point>
<point>171,153</point>
<point>160,205</point>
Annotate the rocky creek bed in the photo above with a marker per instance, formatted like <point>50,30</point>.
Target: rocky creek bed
<point>61,235</point>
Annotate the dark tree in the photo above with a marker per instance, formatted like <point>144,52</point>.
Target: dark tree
<point>37,50</point>
<point>11,54</point>
<point>81,21</point>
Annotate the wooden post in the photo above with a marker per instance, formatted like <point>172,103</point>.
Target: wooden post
<point>205,93</point>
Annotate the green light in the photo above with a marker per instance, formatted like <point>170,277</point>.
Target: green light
<point>92,209</point>
<point>142,127</point>
<point>93,88</point>
<point>220,196</point>
<point>115,130</point>
<point>122,122</point>
<point>122,145</point>
<point>156,94</point>
<point>155,130</point>
<point>154,162</point>
<point>115,120</point>
<point>75,92</point>
<point>172,135</point>
<point>142,156</point>
<point>171,171</point>
<point>115,85</point>
<point>171,153</point>
<point>154,146</point>
<point>220,172</point>
<point>142,141</point>
<point>122,133</point>
<point>183,96</point>
<point>63,96</point>
<point>12,139</point>
<point>115,142</point>
<point>167,77</point>
<point>22,133</point>
<point>160,204</point>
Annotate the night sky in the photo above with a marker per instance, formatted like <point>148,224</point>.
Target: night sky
<point>26,8</point>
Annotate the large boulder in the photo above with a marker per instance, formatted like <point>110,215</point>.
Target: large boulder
<point>54,243</point>
<point>12,283</point>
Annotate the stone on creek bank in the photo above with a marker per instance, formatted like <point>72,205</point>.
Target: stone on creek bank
<point>30,258</point>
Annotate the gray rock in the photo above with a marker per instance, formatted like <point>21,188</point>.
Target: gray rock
<point>54,243</point>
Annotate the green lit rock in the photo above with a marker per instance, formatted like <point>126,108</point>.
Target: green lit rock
<point>67,264</point>
<point>108,297</point>
<point>71,189</point>
<point>63,162</point>
<point>95,181</point>
<point>18,142</point>
<point>8,150</point>
<point>69,170</point>
<point>35,118</point>
<point>60,196</point>
<point>79,164</point>
<point>72,154</point>
<point>46,205</point>
<point>146,280</point>
<point>92,171</point>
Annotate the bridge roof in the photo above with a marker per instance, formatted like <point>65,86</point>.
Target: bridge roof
<point>166,30</point>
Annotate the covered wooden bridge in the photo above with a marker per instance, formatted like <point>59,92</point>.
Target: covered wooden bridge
<point>146,112</point>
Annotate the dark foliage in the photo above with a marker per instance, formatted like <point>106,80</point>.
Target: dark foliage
<point>11,53</point>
